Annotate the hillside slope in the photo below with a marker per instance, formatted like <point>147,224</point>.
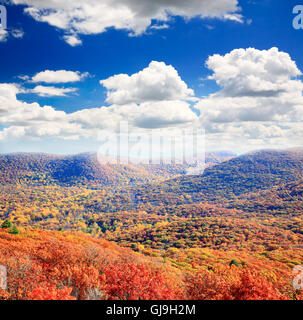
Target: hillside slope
<point>37,169</point>
<point>284,199</point>
<point>82,169</point>
<point>45,265</point>
<point>227,180</point>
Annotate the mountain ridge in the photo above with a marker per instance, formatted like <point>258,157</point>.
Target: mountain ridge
<point>229,179</point>
<point>83,169</point>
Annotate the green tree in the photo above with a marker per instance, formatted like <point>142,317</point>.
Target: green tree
<point>14,230</point>
<point>6,224</point>
<point>234,262</point>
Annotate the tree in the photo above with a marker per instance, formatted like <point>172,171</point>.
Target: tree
<point>130,281</point>
<point>50,292</point>
<point>234,262</point>
<point>6,224</point>
<point>14,230</point>
<point>235,284</point>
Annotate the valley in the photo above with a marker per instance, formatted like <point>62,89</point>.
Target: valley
<point>244,210</point>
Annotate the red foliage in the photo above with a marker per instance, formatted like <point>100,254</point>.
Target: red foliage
<point>253,286</point>
<point>55,266</point>
<point>65,266</point>
<point>46,291</point>
<point>235,284</point>
<point>137,282</point>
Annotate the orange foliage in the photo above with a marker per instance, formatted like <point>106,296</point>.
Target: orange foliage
<point>137,282</point>
<point>47,291</point>
<point>47,265</point>
<point>235,284</point>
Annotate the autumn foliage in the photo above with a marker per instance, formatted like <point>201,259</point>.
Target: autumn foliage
<point>55,266</point>
<point>48,265</point>
<point>46,291</point>
<point>238,284</point>
<point>138,282</point>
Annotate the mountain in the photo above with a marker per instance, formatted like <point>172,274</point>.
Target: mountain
<point>215,157</point>
<point>227,180</point>
<point>84,169</point>
<point>284,199</point>
<point>240,219</point>
<point>253,171</point>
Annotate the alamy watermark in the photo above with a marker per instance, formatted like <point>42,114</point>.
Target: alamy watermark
<point>298,279</point>
<point>298,19</point>
<point>3,17</point>
<point>3,277</point>
<point>128,145</point>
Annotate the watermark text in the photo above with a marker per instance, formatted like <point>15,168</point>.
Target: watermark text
<point>3,17</point>
<point>3,277</point>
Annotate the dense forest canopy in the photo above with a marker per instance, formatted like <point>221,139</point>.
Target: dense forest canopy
<point>239,223</point>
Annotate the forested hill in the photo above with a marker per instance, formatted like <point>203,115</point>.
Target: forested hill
<point>283,199</point>
<point>254,171</point>
<point>84,169</point>
<point>44,169</point>
<point>247,173</point>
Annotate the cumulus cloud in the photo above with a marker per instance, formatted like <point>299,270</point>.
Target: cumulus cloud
<point>140,110</point>
<point>58,76</point>
<point>31,121</point>
<point>252,72</point>
<point>49,91</point>
<point>62,130</point>
<point>147,115</point>
<point>247,136</point>
<point>256,85</point>
<point>241,116</point>
<point>135,16</point>
<point>163,114</point>
<point>14,112</point>
<point>155,83</point>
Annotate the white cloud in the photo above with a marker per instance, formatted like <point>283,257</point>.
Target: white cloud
<point>234,17</point>
<point>155,83</point>
<point>24,77</point>
<point>3,35</point>
<point>34,121</point>
<point>94,16</point>
<point>15,33</point>
<point>163,114</point>
<point>72,40</point>
<point>49,91</point>
<point>256,86</point>
<point>146,115</point>
<point>62,130</point>
<point>260,103</point>
<point>247,136</point>
<point>31,121</point>
<point>14,112</point>
<point>241,116</point>
<point>59,76</point>
<point>252,72</point>
<point>160,26</point>
<point>8,91</point>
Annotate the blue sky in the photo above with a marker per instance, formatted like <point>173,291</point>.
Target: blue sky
<point>185,43</point>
